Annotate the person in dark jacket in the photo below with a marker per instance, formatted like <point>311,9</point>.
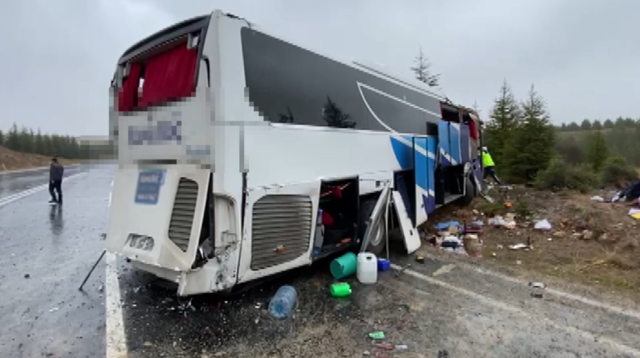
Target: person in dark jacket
<point>56,172</point>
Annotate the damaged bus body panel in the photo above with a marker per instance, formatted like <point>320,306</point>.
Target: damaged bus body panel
<point>236,162</point>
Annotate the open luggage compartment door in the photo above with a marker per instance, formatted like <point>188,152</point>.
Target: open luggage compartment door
<point>424,149</point>
<point>409,233</point>
<point>376,228</point>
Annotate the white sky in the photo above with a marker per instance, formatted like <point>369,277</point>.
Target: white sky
<point>57,56</point>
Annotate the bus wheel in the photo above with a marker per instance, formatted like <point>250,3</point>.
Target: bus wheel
<point>470,192</point>
<point>377,242</point>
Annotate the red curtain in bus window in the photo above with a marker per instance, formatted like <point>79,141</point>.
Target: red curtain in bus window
<point>473,130</point>
<point>128,93</point>
<point>169,75</point>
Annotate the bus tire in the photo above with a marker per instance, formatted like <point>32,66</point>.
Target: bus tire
<point>470,192</point>
<point>376,245</point>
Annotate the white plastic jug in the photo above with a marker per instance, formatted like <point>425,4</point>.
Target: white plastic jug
<point>367,268</point>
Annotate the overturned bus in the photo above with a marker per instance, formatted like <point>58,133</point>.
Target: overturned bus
<point>242,155</point>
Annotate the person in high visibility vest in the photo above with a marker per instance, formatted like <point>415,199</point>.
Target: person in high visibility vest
<point>489,166</point>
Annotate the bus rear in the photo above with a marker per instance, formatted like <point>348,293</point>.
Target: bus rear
<point>161,118</point>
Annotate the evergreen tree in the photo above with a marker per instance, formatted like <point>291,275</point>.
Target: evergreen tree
<point>503,120</point>
<point>598,151</point>
<point>573,126</point>
<point>422,71</point>
<point>334,116</point>
<point>13,138</point>
<point>608,124</point>
<point>586,125</point>
<point>619,122</point>
<point>47,146</point>
<point>531,146</point>
<point>563,127</point>
<point>597,125</point>
<point>38,144</point>
<point>1,138</point>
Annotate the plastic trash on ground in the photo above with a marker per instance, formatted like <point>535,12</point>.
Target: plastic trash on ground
<point>446,225</point>
<point>283,301</point>
<point>340,289</point>
<point>343,266</point>
<point>367,271</point>
<point>384,265</point>
<point>543,225</point>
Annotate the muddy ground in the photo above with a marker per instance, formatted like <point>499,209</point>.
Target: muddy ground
<point>592,243</point>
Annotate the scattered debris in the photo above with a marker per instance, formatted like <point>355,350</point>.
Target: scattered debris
<point>543,225</point>
<point>384,265</point>
<point>386,346</point>
<point>376,335</point>
<point>597,198</point>
<point>283,302</point>
<point>518,247</point>
<point>340,289</point>
<point>402,270</point>
<point>54,309</point>
<point>420,259</point>
<point>538,289</point>
<point>26,275</point>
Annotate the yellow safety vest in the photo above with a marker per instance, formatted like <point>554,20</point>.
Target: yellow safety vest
<point>487,161</point>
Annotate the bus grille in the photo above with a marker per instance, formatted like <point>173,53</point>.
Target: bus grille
<point>281,229</point>
<point>184,208</point>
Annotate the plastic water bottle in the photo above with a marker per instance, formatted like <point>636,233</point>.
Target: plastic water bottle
<point>283,301</point>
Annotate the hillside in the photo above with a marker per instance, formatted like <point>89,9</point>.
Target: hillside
<point>12,160</point>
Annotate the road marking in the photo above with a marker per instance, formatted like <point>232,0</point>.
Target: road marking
<point>11,198</point>
<point>116,341</point>
<point>513,309</point>
<point>570,296</point>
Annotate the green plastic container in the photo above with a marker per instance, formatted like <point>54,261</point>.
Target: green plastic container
<point>343,266</point>
<point>340,289</point>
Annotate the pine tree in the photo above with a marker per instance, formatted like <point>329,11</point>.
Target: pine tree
<point>586,125</point>
<point>503,120</point>
<point>608,123</point>
<point>39,144</point>
<point>422,71</point>
<point>13,138</point>
<point>531,147</point>
<point>1,138</point>
<point>598,151</point>
<point>597,125</point>
<point>334,116</point>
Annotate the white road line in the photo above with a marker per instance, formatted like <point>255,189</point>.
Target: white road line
<point>11,198</point>
<point>566,295</point>
<point>116,341</point>
<point>518,310</point>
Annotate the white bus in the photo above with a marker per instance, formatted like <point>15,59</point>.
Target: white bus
<point>242,155</point>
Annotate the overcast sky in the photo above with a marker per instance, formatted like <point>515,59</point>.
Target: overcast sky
<point>57,56</point>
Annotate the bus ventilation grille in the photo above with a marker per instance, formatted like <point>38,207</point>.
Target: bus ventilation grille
<point>183,211</point>
<point>281,229</point>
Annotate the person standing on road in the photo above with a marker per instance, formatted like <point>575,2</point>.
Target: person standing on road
<point>489,166</point>
<point>56,172</point>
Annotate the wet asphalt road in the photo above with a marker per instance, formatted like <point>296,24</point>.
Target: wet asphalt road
<point>12,183</point>
<point>45,253</point>
<point>431,308</point>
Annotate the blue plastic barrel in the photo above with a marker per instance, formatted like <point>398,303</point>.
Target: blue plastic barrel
<point>283,301</point>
